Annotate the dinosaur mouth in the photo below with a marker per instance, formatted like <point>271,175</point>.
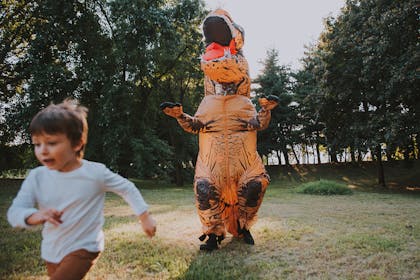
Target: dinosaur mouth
<point>218,34</point>
<point>216,51</point>
<point>217,30</point>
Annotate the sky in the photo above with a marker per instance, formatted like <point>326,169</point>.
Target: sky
<point>284,25</point>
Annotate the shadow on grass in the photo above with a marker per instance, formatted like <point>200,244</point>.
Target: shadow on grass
<point>130,255</point>
<point>237,260</point>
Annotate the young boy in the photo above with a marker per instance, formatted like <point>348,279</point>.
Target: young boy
<point>69,193</point>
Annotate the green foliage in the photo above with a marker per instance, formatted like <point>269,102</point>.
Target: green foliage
<point>324,187</point>
<point>17,25</point>
<point>15,157</point>
<point>307,94</point>
<point>360,82</point>
<point>363,54</point>
<point>120,58</point>
<point>151,157</point>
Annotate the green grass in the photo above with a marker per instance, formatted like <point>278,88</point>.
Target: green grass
<point>368,235</point>
<point>324,187</point>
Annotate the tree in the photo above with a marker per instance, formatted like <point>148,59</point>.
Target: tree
<point>156,44</point>
<point>120,59</point>
<point>275,80</point>
<point>367,78</point>
<point>308,96</point>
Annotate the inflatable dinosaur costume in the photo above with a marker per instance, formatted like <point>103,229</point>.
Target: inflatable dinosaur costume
<point>230,178</point>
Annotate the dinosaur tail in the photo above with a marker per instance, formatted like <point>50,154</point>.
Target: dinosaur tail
<point>230,213</point>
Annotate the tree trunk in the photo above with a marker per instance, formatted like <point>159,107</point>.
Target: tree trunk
<point>179,180</point>
<point>352,155</point>
<point>286,155</point>
<point>360,156</point>
<point>389,154</point>
<point>278,153</point>
<point>406,153</point>
<point>415,147</point>
<point>333,155</point>
<point>294,153</point>
<point>313,147</point>
<point>318,154</point>
<point>307,153</point>
<point>381,174</point>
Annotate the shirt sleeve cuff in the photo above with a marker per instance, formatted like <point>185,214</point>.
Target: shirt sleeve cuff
<point>25,214</point>
<point>141,210</point>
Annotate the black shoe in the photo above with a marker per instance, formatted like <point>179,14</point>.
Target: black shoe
<point>248,237</point>
<point>211,243</point>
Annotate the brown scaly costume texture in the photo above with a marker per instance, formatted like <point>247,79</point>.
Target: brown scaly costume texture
<point>230,178</point>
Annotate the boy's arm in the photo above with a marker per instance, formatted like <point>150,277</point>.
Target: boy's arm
<point>52,216</point>
<point>128,191</point>
<point>23,206</point>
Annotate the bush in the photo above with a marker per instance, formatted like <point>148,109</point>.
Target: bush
<point>324,187</point>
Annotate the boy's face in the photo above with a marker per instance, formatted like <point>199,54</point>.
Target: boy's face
<point>56,152</point>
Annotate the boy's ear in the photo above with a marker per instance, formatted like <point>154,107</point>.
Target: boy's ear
<point>78,146</point>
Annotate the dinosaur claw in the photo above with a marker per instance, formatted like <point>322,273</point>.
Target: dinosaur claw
<point>164,105</point>
<point>273,98</point>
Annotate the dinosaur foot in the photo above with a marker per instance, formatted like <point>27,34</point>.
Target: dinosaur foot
<point>212,243</point>
<point>248,239</point>
<point>245,234</point>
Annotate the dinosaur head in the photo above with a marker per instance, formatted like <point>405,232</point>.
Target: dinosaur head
<point>221,33</point>
<point>222,61</point>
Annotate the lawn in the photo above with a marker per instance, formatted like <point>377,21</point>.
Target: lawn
<point>366,235</point>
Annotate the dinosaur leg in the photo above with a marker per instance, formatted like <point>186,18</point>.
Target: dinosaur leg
<point>250,196</point>
<point>208,206</point>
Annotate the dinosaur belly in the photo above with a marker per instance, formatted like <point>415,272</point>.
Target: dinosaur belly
<point>227,148</point>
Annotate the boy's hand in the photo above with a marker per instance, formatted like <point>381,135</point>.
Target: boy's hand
<point>148,224</point>
<point>46,215</point>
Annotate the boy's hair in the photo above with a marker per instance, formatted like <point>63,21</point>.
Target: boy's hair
<point>67,117</point>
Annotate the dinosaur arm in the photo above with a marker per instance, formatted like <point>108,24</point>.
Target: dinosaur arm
<point>188,123</point>
<point>262,120</point>
<point>264,115</point>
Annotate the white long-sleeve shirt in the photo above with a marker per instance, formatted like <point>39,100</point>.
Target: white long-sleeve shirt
<point>80,194</point>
